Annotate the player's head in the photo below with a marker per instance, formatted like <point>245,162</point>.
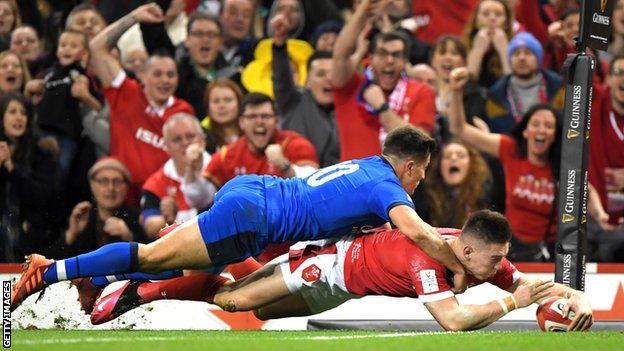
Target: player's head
<point>408,150</point>
<point>484,242</point>
<point>258,120</point>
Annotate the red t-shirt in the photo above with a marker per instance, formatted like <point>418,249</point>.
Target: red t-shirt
<point>389,263</point>
<point>530,195</point>
<point>359,130</point>
<point>606,150</point>
<point>237,158</point>
<point>136,131</point>
<point>435,18</point>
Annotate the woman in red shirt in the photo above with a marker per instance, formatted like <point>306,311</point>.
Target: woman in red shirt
<point>530,159</point>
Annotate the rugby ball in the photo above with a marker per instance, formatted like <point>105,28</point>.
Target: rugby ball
<point>550,315</point>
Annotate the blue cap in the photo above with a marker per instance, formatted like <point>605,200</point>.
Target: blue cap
<point>526,40</point>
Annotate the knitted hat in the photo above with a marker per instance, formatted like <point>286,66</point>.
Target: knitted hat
<point>109,163</point>
<point>325,27</point>
<point>526,40</point>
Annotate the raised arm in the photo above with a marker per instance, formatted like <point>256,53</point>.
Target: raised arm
<point>410,224</point>
<point>104,65</point>
<point>475,137</point>
<point>343,67</point>
<point>455,317</point>
<point>284,88</point>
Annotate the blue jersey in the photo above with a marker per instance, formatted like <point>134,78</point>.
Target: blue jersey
<point>332,201</point>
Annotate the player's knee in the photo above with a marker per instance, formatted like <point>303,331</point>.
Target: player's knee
<point>232,303</point>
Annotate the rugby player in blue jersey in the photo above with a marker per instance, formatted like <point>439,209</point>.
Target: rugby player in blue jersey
<point>251,212</point>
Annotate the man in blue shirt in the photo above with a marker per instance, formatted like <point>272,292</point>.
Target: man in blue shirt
<point>250,212</point>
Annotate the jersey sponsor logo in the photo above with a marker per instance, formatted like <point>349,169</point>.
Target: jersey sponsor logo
<point>311,274</point>
<point>429,281</point>
<point>151,138</point>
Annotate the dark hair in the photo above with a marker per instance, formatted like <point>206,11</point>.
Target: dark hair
<point>569,12</point>
<point>24,145</point>
<point>202,16</point>
<point>255,99</point>
<point>390,36</point>
<point>554,153</point>
<point>161,53</point>
<point>408,142</point>
<point>318,55</point>
<point>443,41</point>
<point>489,226</point>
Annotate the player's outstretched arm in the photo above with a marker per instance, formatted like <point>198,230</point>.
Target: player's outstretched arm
<point>577,302</point>
<point>410,224</point>
<point>455,317</point>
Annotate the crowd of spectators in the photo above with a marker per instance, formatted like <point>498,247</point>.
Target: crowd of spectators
<point>119,119</point>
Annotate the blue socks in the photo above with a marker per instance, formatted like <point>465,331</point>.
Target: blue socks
<point>107,260</point>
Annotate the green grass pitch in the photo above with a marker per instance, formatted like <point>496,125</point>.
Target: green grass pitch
<point>137,340</point>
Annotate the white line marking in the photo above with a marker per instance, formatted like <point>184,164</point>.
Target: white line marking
<point>191,337</point>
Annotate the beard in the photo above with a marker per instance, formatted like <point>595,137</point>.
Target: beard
<point>526,76</point>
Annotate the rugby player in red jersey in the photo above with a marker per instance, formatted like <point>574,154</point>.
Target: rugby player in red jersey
<point>317,276</point>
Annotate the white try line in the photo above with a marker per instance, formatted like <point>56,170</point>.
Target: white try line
<point>190,337</point>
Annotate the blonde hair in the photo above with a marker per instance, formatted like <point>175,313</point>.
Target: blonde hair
<point>17,18</point>
<point>25,71</point>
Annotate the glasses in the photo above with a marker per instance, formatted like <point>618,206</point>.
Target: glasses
<point>116,182</point>
<point>262,116</point>
<point>180,138</point>
<point>201,34</point>
<point>397,55</point>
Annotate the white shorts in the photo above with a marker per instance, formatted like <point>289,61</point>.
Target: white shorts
<point>318,273</point>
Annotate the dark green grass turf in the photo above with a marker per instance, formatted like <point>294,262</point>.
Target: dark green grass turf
<point>136,340</point>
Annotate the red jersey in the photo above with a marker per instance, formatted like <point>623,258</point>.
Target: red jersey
<point>237,158</point>
<point>166,182</point>
<point>408,271</point>
<point>530,195</point>
<point>359,130</point>
<point>136,128</point>
<point>606,150</point>
<point>435,18</point>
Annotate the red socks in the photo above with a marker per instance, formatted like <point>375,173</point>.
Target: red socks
<point>243,269</point>
<point>195,287</point>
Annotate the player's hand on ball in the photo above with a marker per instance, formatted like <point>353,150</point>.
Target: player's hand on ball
<point>531,292</point>
<point>583,315</point>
